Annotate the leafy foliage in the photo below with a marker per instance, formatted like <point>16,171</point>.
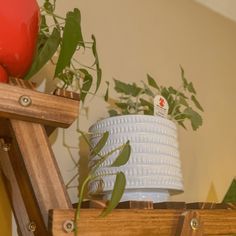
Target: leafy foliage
<point>65,37</point>
<point>138,99</point>
<point>230,196</point>
<point>120,181</point>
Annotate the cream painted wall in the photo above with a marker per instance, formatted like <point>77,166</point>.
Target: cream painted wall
<point>136,37</point>
<point>225,7</point>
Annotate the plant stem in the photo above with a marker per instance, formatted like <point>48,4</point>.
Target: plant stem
<point>77,211</point>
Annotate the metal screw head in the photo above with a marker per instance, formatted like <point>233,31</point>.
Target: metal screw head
<point>25,101</point>
<point>6,147</point>
<point>68,226</point>
<point>194,223</point>
<point>32,226</point>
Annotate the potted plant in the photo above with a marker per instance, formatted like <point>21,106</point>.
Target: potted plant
<point>147,116</point>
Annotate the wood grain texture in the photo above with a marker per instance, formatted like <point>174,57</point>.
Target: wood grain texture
<point>190,224</point>
<point>67,94</point>
<point>15,196</point>
<point>37,171</point>
<point>142,222</point>
<point>22,83</point>
<point>45,108</point>
<point>119,222</point>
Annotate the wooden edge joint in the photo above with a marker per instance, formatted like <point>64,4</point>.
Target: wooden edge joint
<point>67,94</point>
<point>22,83</point>
<point>189,224</point>
<point>5,144</point>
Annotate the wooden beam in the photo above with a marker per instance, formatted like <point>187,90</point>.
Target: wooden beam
<point>44,108</point>
<point>17,202</point>
<point>37,173</point>
<point>142,222</point>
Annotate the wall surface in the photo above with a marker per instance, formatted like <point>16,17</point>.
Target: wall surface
<point>137,37</point>
<point>226,7</point>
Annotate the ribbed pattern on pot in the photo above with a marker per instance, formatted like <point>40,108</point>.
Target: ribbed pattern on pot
<point>154,161</point>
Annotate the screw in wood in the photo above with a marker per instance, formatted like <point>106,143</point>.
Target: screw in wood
<point>4,146</point>
<point>32,226</point>
<point>25,101</point>
<point>68,226</point>
<point>194,223</point>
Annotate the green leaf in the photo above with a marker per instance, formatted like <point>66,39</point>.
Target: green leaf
<point>101,143</point>
<point>117,193</point>
<point>191,88</point>
<point>123,156</point>
<point>176,92</point>
<point>147,112</point>
<point>183,101</point>
<point>127,89</point>
<point>99,70</point>
<point>230,196</point>
<point>147,104</point>
<point>147,90</point>
<point>181,123</point>
<point>107,91</point>
<point>43,24</point>
<point>46,51</point>
<point>197,104</point>
<point>49,8</point>
<point>165,93</point>
<point>172,90</point>
<point>72,37</point>
<point>195,118</point>
<point>112,112</point>
<point>185,82</point>
<point>180,116</point>
<point>152,82</point>
<point>122,105</point>
<point>87,83</point>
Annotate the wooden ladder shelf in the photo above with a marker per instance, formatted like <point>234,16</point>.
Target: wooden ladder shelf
<point>38,195</point>
<point>32,178</point>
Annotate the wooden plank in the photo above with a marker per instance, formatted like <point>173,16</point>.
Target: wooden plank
<point>190,224</point>
<point>45,108</point>
<point>15,197</point>
<point>37,172</point>
<point>119,222</point>
<point>143,222</point>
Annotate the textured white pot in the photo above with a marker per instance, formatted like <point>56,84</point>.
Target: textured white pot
<point>154,169</point>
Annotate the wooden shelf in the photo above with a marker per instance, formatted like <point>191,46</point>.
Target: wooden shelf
<point>143,222</point>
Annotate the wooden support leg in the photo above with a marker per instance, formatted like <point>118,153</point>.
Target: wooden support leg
<point>36,171</point>
<point>15,197</point>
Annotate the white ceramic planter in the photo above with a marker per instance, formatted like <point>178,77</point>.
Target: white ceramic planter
<point>154,169</point>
